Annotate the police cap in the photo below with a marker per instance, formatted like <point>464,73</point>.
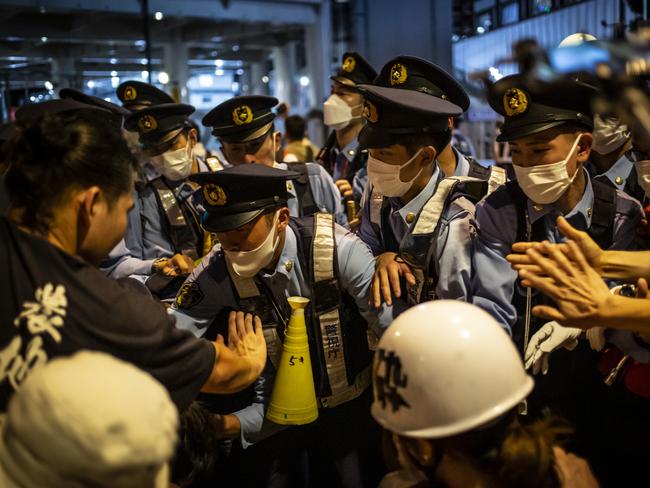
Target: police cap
<point>411,73</point>
<point>392,112</point>
<point>136,95</point>
<point>354,70</point>
<point>526,111</point>
<point>235,196</point>
<point>159,124</point>
<point>241,119</point>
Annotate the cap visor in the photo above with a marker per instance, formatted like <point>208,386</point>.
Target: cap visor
<point>373,138</point>
<point>414,100</point>
<point>215,222</point>
<point>513,133</point>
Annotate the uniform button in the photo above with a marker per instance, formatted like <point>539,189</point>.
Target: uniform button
<point>289,186</point>
<point>288,265</point>
<point>618,180</point>
<point>538,208</point>
<point>589,212</point>
<point>410,217</point>
<point>351,152</point>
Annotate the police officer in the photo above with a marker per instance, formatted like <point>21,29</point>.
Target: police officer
<point>136,95</point>
<point>341,155</point>
<point>412,73</point>
<point>417,226</point>
<point>264,257</point>
<point>549,132</point>
<point>244,127</point>
<point>164,236</point>
<point>118,113</point>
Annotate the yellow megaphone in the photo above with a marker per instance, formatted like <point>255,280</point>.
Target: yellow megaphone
<point>293,401</point>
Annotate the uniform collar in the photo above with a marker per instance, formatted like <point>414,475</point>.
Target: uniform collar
<point>619,172</point>
<point>414,206</point>
<point>288,257</point>
<point>290,186</point>
<point>462,164</point>
<point>349,151</point>
<point>584,207</point>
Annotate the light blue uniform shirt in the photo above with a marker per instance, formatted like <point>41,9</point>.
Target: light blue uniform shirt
<point>618,174</point>
<point>326,195</point>
<point>454,246</point>
<point>493,280</point>
<point>356,268</point>
<point>462,164</point>
<point>146,238</point>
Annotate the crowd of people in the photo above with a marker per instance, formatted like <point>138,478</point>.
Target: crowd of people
<point>467,325</point>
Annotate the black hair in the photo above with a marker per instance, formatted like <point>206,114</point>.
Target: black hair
<point>198,453</point>
<point>295,127</point>
<point>54,153</point>
<point>413,142</point>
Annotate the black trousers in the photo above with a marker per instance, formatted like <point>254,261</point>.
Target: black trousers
<point>341,449</point>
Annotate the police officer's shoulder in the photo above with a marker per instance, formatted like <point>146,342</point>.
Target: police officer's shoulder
<point>627,205</point>
<point>136,95</point>
<point>530,110</point>
<point>417,74</point>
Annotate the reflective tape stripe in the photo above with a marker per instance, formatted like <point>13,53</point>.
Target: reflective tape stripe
<point>376,200</point>
<point>432,210</point>
<point>170,206</point>
<point>497,178</point>
<point>323,247</point>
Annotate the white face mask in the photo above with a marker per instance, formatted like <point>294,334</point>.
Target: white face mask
<point>546,183</point>
<point>248,263</point>
<point>609,134</point>
<point>175,165</point>
<point>386,177</point>
<point>643,175</point>
<point>336,113</point>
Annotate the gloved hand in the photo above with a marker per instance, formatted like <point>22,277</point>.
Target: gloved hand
<point>546,340</point>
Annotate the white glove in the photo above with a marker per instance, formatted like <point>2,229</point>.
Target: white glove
<point>596,337</point>
<point>550,337</point>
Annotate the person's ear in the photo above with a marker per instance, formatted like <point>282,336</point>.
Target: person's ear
<point>90,201</point>
<point>193,136</point>
<point>283,219</point>
<point>277,138</point>
<point>450,123</point>
<point>427,156</point>
<point>584,147</point>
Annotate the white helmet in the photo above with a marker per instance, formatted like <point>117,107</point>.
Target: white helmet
<point>445,367</point>
<point>577,39</point>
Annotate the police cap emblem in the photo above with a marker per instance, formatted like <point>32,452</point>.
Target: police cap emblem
<point>515,102</point>
<point>147,124</point>
<point>398,74</point>
<point>214,195</point>
<point>242,115</point>
<point>189,295</point>
<point>130,94</point>
<point>370,112</point>
<point>349,64</point>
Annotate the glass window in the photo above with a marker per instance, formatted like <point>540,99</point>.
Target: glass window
<point>541,6</point>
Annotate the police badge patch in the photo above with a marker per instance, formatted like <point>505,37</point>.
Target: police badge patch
<point>515,102</point>
<point>348,64</point>
<point>130,94</point>
<point>147,123</point>
<point>189,295</point>
<point>398,74</point>
<point>214,195</point>
<point>242,115</point>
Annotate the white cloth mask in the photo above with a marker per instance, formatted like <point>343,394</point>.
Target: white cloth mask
<point>643,175</point>
<point>248,263</point>
<point>175,165</point>
<point>546,183</point>
<point>386,177</point>
<point>609,134</point>
<point>336,113</point>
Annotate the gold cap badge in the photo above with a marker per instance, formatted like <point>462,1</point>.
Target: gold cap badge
<point>515,102</point>
<point>370,112</point>
<point>147,123</point>
<point>130,94</point>
<point>214,195</point>
<point>349,64</point>
<point>398,74</point>
<point>242,115</point>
